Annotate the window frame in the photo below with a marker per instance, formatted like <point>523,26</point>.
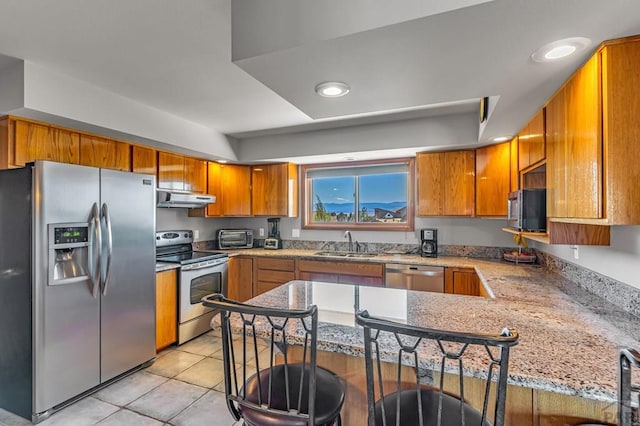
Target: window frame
<point>306,198</point>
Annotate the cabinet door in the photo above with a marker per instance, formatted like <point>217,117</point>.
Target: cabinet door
<point>240,278</point>
<point>236,190</point>
<point>531,142</point>
<point>170,171</point>
<point>144,160</point>
<point>105,153</point>
<point>459,183</point>
<point>214,187</point>
<point>34,141</point>
<point>584,142</point>
<point>430,184</point>
<point>166,308</point>
<point>270,189</point>
<point>493,180</point>
<point>556,156</point>
<point>462,281</point>
<point>621,95</point>
<point>574,163</point>
<point>195,175</point>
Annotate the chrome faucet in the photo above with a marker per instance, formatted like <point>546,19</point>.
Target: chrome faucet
<point>348,235</point>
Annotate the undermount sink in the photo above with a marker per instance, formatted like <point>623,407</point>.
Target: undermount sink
<point>345,254</point>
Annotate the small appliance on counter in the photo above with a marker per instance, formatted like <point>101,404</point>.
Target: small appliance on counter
<point>429,242</point>
<point>273,241</point>
<point>229,239</point>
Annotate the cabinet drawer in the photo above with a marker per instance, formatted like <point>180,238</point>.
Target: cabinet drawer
<point>278,264</point>
<point>318,276</point>
<point>348,268</point>
<point>274,276</point>
<point>360,280</point>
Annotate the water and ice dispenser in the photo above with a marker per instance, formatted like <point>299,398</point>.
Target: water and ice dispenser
<point>69,253</point>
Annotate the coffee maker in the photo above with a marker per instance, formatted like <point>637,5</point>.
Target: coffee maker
<point>273,241</point>
<point>429,242</point>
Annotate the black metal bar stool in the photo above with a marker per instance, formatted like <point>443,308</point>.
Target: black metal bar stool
<point>628,360</point>
<point>286,394</point>
<point>399,402</point>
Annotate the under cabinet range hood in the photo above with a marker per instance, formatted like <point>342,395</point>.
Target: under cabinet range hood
<point>183,199</point>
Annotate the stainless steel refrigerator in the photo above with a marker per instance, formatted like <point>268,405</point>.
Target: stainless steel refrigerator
<point>77,282</point>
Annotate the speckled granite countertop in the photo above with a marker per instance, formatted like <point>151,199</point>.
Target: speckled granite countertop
<point>569,338</point>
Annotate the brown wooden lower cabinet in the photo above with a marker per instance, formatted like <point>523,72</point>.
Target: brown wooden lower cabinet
<point>271,272</point>
<point>240,278</point>
<point>360,273</point>
<point>463,281</point>
<point>166,308</point>
<point>525,406</point>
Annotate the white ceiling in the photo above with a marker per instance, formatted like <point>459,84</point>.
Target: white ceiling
<point>402,59</point>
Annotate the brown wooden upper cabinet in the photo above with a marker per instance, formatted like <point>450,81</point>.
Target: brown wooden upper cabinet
<point>574,166</point>
<point>446,184</point>
<point>231,185</point>
<point>106,153</point>
<point>182,173</point>
<point>493,179</point>
<point>24,141</point>
<point>531,142</point>
<point>144,160</point>
<point>236,190</point>
<point>274,190</point>
<point>592,130</point>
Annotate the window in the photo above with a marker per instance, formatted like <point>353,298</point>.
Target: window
<point>364,195</point>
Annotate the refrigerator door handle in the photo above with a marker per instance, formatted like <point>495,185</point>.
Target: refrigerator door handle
<point>95,249</point>
<point>109,237</point>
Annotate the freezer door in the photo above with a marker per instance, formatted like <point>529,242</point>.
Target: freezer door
<point>66,326</point>
<point>128,213</point>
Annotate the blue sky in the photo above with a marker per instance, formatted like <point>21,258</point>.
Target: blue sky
<point>373,188</point>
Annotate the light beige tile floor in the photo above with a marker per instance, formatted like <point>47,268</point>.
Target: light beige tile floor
<point>184,387</point>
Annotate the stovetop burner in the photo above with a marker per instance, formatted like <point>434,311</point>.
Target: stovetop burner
<point>175,247</point>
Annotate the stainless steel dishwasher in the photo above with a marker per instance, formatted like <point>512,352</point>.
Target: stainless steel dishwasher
<point>411,277</point>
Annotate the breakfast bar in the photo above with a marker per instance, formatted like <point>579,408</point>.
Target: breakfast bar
<point>556,375</point>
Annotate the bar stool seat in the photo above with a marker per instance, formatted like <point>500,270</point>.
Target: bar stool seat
<point>268,384</point>
<point>328,401</point>
<point>409,412</point>
<point>409,351</point>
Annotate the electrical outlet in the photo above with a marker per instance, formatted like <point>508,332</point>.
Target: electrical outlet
<point>295,233</point>
<point>576,254</point>
<point>196,234</point>
<point>262,232</point>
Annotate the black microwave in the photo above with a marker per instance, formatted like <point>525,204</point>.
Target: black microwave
<point>527,210</point>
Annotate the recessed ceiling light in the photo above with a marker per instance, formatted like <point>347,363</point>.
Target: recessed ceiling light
<point>560,49</point>
<point>332,89</point>
<point>222,161</point>
<point>349,158</point>
<point>501,139</point>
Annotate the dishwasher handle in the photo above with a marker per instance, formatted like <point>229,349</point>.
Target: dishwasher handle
<point>415,270</point>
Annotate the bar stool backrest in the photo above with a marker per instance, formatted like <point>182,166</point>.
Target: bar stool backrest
<point>628,362</point>
<point>406,364</point>
<point>278,389</point>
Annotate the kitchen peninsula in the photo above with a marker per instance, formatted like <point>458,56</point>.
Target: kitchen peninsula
<point>562,372</point>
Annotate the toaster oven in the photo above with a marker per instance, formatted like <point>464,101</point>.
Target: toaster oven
<point>235,238</point>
